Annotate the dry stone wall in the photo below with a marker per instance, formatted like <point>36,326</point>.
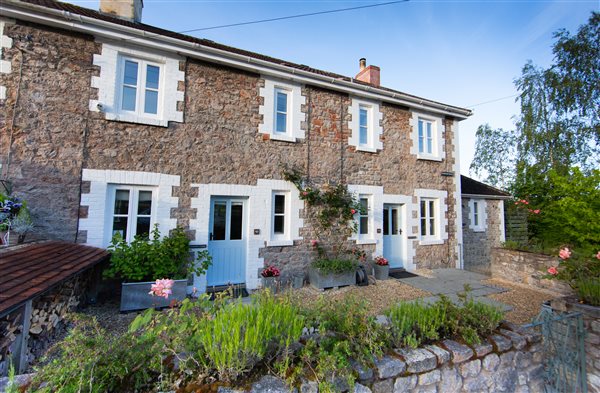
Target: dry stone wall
<point>55,136</point>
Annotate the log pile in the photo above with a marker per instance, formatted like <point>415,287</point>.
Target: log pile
<point>10,327</point>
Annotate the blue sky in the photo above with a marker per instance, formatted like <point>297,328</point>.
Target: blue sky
<point>458,52</point>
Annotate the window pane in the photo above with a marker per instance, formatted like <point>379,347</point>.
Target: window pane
<point>236,222</point>
<point>429,146</point>
<point>152,77</point>
<point>364,203</point>
<point>144,203</point>
<point>130,73</point>
<point>386,222</point>
<point>432,227</point>
<point>122,202</point>
<point>281,122</point>
<point>423,209</point>
<point>431,210</point>
<point>128,103</point>
<point>428,130</point>
<point>420,136</point>
<point>364,117</point>
<point>219,217</point>
<point>279,204</point>
<point>278,226</point>
<point>394,221</point>
<point>151,102</point>
<point>143,226</point>
<point>120,226</point>
<point>281,102</point>
<point>363,137</point>
<point>423,227</point>
<point>364,225</point>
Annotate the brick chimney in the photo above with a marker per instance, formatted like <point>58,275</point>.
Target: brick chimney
<point>130,10</point>
<point>368,74</point>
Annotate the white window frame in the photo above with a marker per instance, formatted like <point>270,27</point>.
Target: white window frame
<point>279,237</point>
<point>369,236</point>
<point>477,210</point>
<point>440,199</point>
<point>279,90</point>
<point>132,214</point>
<point>141,88</point>
<point>429,215</point>
<point>268,109</point>
<point>437,134</point>
<point>374,129</point>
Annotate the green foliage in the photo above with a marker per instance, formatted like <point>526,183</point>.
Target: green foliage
<point>148,259</point>
<point>335,266</point>
<point>11,385</point>
<point>588,290</point>
<point>91,360</point>
<point>580,269</point>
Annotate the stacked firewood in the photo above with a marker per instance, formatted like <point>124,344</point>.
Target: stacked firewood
<point>10,328</point>
<point>50,309</point>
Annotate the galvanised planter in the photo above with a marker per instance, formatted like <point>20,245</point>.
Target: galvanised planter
<point>270,283</point>
<point>330,280</point>
<point>135,296</point>
<point>381,272</point>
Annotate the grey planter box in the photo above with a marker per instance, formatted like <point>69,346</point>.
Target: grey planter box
<point>381,272</point>
<point>271,283</point>
<point>135,296</point>
<point>322,281</point>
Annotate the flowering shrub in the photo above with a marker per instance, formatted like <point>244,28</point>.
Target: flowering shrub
<point>10,206</point>
<point>270,271</point>
<point>381,261</point>
<point>582,273</point>
<point>162,288</point>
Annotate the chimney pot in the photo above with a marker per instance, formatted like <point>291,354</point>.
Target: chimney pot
<point>363,63</point>
<point>130,10</point>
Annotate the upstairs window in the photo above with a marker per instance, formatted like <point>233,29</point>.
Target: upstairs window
<point>425,136</point>
<point>428,218</point>
<point>140,89</point>
<point>132,209</point>
<point>365,125</point>
<point>363,135</point>
<point>279,215</point>
<point>281,111</point>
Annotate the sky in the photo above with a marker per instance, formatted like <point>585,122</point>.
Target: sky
<point>459,52</point>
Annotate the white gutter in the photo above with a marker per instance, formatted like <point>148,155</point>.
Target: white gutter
<point>99,28</point>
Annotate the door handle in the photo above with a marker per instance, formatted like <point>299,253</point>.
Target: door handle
<point>399,231</point>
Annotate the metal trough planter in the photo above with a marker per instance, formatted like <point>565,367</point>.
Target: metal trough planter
<point>330,280</point>
<point>135,296</point>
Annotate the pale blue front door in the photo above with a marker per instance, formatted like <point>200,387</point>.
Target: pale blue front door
<point>393,235</point>
<point>227,241</point>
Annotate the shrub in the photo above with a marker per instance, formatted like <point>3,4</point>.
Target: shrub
<point>148,259</point>
<point>335,266</point>
<point>415,323</point>
<point>588,290</point>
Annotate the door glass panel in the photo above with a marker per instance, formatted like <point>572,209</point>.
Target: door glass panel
<point>142,226</point>
<point>219,219</point>
<point>386,222</point>
<point>120,226</point>
<point>235,228</point>
<point>122,202</point>
<point>394,221</point>
<point>144,203</point>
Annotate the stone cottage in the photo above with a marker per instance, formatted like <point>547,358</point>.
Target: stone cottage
<point>111,126</point>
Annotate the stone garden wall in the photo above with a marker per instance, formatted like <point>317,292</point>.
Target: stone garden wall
<point>510,361</point>
<point>526,268</point>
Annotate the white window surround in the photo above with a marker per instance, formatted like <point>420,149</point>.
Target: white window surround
<point>98,222</point>
<point>374,125</point>
<point>441,222</point>
<point>481,215</point>
<point>438,136</point>
<point>295,116</point>
<point>5,42</point>
<point>259,209</point>
<point>132,214</point>
<point>109,85</point>
<point>375,194</point>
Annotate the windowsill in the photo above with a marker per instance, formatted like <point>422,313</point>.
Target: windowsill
<point>280,243</point>
<point>282,137</point>
<point>366,241</point>
<point>430,242</point>
<point>136,119</point>
<point>366,149</point>
<point>429,157</point>
<point>477,229</point>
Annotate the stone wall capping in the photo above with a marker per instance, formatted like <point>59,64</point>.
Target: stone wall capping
<point>458,352</point>
<point>389,367</point>
<point>418,360</point>
<point>518,341</point>
<point>483,348</point>
<point>500,343</point>
<point>441,354</point>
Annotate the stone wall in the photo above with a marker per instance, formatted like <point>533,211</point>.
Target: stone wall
<point>55,136</point>
<point>526,268</point>
<point>509,361</point>
<point>477,245</point>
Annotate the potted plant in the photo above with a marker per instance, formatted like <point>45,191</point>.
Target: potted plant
<point>10,206</point>
<point>381,267</point>
<point>143,261</point>
<point>269,276</point>
<point>329,273</point>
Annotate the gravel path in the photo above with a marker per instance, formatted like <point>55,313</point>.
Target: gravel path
<point>526,302</point>
<point>109,316</point>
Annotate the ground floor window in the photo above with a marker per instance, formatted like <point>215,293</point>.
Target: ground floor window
<point>428,208</point>
<point>131,211</point>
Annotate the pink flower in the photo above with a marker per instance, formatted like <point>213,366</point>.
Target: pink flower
<point>516,203</point>
<point>536,211</point>
<point>598,255</point>
<point>553,271</point>
<point>314,243</point>
<point>162,288</point>
<point>305,193</point>
<point>353,211</point>
<point>564,253</point>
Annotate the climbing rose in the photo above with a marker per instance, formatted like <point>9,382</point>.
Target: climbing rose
<point>314,243</point>
<point>553,271</point>
<point>352,211</point>
<point>162,288</point>
<point>564,253</point>
<point>598,255</point>
<point>536,211</point>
